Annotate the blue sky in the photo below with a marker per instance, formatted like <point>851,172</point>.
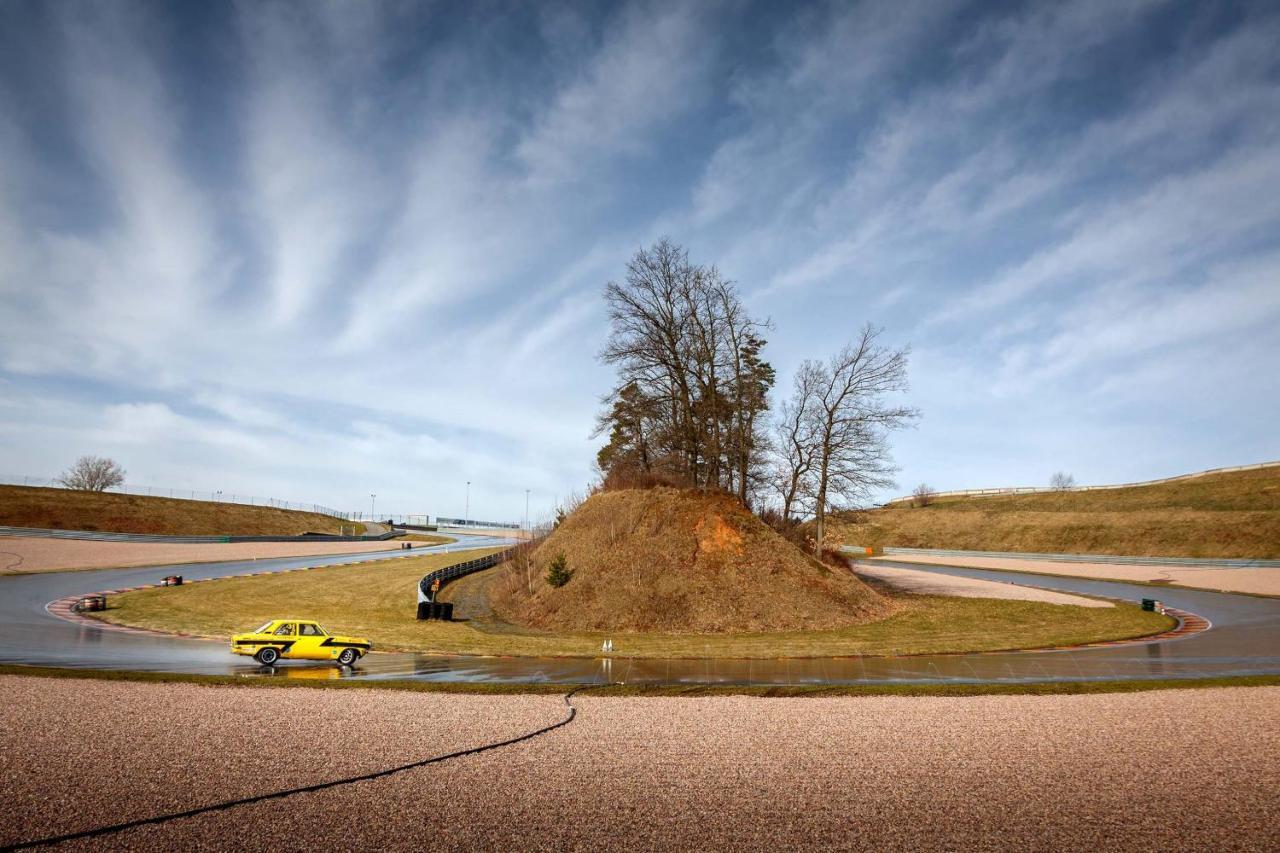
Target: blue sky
<point>319,250</point>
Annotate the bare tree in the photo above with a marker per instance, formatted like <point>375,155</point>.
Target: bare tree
<point>92,474</point>
<point>923,494</point>
<point>796,444</point>
<point>852,420</point>
<point>1061,481</point>
<point>692,383</point>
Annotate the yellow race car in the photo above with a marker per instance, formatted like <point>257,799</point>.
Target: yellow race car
<point>298,639</point>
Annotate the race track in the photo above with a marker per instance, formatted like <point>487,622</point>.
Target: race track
<point>1244,640</point>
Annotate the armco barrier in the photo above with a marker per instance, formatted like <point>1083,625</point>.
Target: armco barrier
<point>455,571</point>
<point>1028,490</point>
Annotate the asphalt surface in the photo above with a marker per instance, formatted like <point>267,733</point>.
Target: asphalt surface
<point>1244,640</point>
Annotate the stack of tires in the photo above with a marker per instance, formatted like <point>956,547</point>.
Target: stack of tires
<point>442,610</point>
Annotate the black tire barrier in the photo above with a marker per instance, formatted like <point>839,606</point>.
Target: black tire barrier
<point>442,610</point>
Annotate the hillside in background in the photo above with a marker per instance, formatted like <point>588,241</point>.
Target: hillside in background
<point>673,561</point>
<point>1233,514</point>
<point>63,509</point>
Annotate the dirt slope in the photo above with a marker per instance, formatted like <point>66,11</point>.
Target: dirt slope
<point>63,509</point>
<point>675,561</point>
<point>1235,514</point>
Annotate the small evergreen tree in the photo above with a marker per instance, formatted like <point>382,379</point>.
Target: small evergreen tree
<point>559,573</point>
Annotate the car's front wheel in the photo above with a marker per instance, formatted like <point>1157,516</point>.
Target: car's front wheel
<point>267,656</point>
<point>348,656</point>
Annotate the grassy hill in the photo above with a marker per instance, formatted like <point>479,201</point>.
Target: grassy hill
<point>26,506</point>
<point>666,560</point>
<point>1233,514</point>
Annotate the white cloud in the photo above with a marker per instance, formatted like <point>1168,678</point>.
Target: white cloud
<point>308,186</point>
<point>649,70</point>
<point>390,279</point>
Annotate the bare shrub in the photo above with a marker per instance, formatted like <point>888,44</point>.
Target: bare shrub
<point>619,478</point>
<point>1062,482</point>
<point>923,494</point>
<point>92,474</point>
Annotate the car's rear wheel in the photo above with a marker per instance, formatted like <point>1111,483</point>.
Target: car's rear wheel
<point>348,656</point>
<point>267,656</point>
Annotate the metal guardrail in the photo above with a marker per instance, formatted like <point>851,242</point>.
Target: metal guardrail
<point>101,536</point>
<point>471,522</point>
<point>458,570</point>
<point>1028,490</point>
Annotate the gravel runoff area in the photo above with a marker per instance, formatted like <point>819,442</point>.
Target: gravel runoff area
<point>19,554</point>
<point>930,583</point>
<point>1178,769</point>
<point>1264,581</point>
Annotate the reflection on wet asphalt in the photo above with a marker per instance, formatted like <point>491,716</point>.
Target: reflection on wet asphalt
<point>1244,640</point>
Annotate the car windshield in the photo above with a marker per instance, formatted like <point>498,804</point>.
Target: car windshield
<point>262,629</point>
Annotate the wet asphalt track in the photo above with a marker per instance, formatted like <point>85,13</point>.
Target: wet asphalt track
<point>1244,640</point>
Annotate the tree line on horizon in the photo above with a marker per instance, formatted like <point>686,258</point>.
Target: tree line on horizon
<point>691,407</point>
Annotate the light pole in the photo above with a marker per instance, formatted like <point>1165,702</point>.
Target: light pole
<point>466,513</point>
<point>526,510</point>
<point>372,498</point>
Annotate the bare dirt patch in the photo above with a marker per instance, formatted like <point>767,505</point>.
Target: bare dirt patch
<point>1262,581</point>
<point>931,583</point>
<point>23,554</point>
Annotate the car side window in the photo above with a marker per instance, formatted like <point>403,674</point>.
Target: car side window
<point>285,629</point>
<point>310,631</point>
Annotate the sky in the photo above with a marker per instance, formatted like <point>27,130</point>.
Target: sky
<point>319,251</point>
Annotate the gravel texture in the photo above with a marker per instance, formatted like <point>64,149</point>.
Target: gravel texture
<point>1157,771</point>
<point>31,554</point>
<point>931,583</point>
<point>1262,581</point>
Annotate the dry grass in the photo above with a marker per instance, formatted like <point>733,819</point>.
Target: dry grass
<point>672,561</point>
<point>63,509</point>
<point>376,600</point>
<point>1236,514</point>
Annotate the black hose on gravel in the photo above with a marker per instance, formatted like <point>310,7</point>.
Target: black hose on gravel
<point>306,789</point>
